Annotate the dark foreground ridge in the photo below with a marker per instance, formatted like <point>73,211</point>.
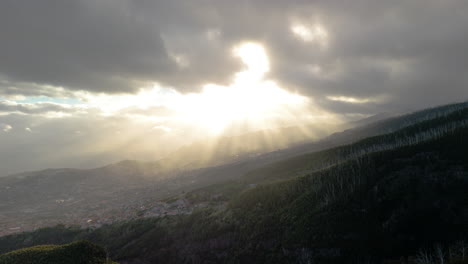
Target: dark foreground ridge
<point>80,252</point>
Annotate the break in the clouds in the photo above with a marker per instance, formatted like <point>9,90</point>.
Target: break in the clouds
<point>359,49</point>
<point>73,71</point>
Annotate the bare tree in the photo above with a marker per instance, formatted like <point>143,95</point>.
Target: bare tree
<point>440,254</point>
<point>424,257</point>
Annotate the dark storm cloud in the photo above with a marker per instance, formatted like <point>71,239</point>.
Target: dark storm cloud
<point>399,50</point>
<point>77,44</point>
<point>411,51</point>
<point>101,46</point>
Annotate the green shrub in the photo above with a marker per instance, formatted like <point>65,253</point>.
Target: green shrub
<point>81,252</point>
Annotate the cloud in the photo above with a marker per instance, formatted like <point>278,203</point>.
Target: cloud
<point>6,127</point>
<point>164,129</point>
<point>395,49</point>
<point>8,107</point>
<point>318,48</point>
<point>99,46</point>
<point>20,90</point>
<point>82,44</point>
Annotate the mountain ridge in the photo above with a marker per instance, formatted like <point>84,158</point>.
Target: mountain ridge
<point>330,206</point>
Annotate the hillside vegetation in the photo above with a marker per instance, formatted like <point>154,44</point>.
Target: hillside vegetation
<point>81,252</point>
<point>397,195</point>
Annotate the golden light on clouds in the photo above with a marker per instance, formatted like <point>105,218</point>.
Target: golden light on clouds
<point>6,127</point>
<point>347,99</point>
<point>315,33</point>
<point>255,59</point>
<point>358,100</point>
<point>251,99</point>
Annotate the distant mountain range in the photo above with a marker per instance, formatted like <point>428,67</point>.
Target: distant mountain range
<point>52,196</point>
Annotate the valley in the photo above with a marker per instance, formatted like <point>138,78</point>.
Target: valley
<point>367,192</point>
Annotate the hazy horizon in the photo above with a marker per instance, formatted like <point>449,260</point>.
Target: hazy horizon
<point>87,83</point>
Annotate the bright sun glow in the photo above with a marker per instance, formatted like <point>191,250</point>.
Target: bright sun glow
<point>250,98</point>
<point>256,61</point>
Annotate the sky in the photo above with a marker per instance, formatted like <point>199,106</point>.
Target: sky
<point>87,82</point>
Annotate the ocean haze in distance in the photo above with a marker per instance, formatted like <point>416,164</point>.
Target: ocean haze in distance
<point>85,83</point>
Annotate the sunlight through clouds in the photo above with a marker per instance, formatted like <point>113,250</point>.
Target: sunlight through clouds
<point>347,99</point>
<point>357,100</point>
<point>254,57</point>
<point>6,127</point>
<point>159,119</point>
<point>313,34</point>
<point>250,98</point>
